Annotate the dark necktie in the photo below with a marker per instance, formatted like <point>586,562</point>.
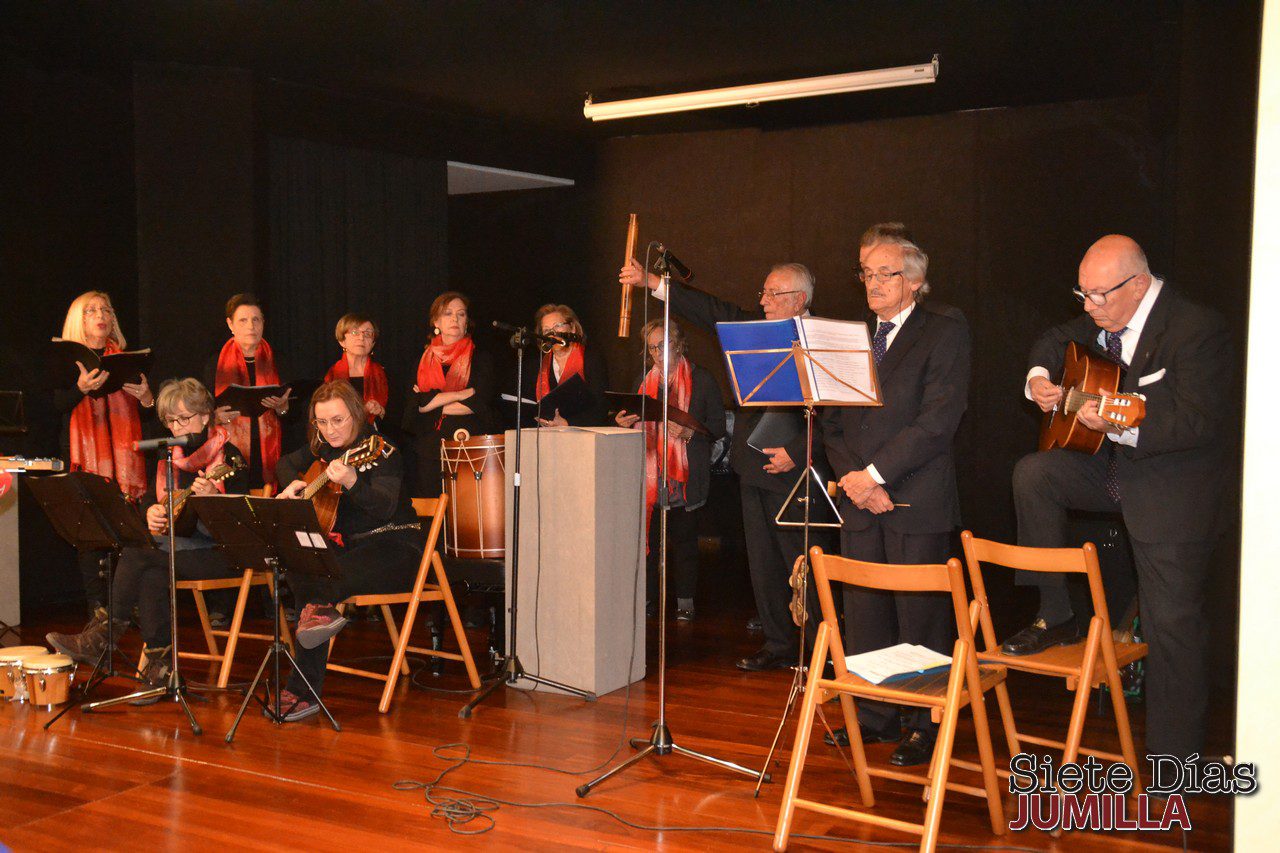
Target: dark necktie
<point>1115,350</point>
<point>880,343</point>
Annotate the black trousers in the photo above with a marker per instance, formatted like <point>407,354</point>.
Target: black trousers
<point>682,552</point>
<point>142,581</point>
<point>384,563</point>
<point>95,585</point>
<point>1172,577</point>
<point>771,551</point>
<point>874,619</point>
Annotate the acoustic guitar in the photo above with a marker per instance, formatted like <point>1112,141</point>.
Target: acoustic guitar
<point>323,492</point>
<point>1086,377</point>
<point>216,474</point>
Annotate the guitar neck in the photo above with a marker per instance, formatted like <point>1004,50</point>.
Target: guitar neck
<point>313,488</point>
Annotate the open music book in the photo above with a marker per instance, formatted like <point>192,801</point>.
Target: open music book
<point>121,367</point>
<point>897,663</point>
<point>835,366</point>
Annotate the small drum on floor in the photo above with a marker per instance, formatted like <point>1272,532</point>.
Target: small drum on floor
<point>473,475</point>
<point>49,679</point>
<point>13,688</point>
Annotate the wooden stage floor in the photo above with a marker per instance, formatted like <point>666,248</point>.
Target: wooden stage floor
<point>138,779</point>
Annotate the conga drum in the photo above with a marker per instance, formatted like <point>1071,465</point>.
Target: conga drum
<point>49,679</point>
<point>13,687</point>
<point>473,475</point>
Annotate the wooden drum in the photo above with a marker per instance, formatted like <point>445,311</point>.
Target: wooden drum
<point>473,475</point>
<point>49,679</point>
<point>12,685</point>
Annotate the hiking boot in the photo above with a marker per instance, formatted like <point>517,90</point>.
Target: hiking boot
<point>155,673</point>
<point>87,646</point>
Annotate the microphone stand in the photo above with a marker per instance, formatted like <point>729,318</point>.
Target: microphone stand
<point>510,669</point>
<point>175,689</point>
<point>660,742</point>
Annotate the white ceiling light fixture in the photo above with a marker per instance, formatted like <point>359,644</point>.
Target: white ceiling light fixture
<point>807,87</point>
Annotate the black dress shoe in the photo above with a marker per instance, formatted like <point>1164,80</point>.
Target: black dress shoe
<point>754,625</point>
<point>763,660</point>
<point>916,748</point>
<point>842,737</point>
<point>1039,636</point>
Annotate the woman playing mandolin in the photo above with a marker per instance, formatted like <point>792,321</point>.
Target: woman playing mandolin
<point>211,466</point>
<point>379,540</point>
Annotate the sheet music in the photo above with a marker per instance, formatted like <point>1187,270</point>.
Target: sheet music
<point>851,365</point>
<point>903,659</point>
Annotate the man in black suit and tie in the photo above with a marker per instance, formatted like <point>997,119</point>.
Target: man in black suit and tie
<point>899,501</point>
<point>766,476</point>
<point>1166,476</point>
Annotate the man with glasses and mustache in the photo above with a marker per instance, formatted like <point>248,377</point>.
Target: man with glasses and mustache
<point>767,475</point>
<point>896,473</point>
<point>1165,476</point>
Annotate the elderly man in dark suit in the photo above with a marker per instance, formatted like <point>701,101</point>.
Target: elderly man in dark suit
<point>1166,476</point>
<point>899,501</point>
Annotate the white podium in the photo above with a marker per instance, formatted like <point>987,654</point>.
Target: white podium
<point>10,587</point>
<point>582,580</point>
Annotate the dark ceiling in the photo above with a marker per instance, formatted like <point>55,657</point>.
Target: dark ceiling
<point>530,64</point>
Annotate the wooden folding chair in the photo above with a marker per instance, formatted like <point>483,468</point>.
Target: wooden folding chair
<point>423,590</point>
<point>1084,665</point>
<point>945,694</point>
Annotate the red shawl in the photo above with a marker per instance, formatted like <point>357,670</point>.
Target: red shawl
<point>681,390</point>
<point>572,366</point>
<point>431,375</point>
<point>232,370</point>
<point>375,380</point>
<point>203,458</point>
<point>103,431</point>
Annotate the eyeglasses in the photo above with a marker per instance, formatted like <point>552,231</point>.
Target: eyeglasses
<point>559,327</point>
<point>336,423</point>
<point>178,420</point>
<point>362,333</point>
<point>96,312</point>
<point>773,294</point>
<point>654,348</point>
<point>1099,297</point>
<point>866,276</point>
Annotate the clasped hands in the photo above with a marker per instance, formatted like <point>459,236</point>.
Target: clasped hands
<point>865,492</point>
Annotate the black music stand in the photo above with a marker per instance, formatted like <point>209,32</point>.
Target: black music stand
<point>91,514</point>
<point>253,532</point>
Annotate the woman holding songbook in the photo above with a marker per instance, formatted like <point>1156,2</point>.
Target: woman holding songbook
<point>452,388</point>
<point>377,536</point>
<point>210,466</point>
<point>356,335</point>
<point>246,359</point>
<point>98,430</point>
<point>693,390</point>
<point>570,376</point>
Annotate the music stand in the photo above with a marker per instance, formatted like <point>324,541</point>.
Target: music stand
<point>91,514</point>
<point>253,532</point>
<point>795,380</point>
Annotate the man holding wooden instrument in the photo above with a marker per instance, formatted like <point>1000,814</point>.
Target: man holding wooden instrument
<point>1166,476</point>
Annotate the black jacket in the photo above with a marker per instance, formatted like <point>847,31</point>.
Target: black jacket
<point>378,497</point>
<point>706,310</point>
<point>596,375</point>
<point>480,422</point>
<point>924,383</point>
<point>1172,483</point>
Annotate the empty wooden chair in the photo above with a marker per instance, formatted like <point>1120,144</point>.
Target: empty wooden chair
<point>946,694</point>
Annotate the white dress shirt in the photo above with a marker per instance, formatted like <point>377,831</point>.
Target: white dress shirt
<point>897,320</point>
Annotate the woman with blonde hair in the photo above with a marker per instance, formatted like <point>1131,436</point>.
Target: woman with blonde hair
<point>98,430</point>
<point>356,334</point>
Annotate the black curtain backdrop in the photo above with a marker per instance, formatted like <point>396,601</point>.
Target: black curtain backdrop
<point>353,230</point>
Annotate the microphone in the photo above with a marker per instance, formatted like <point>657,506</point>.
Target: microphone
<point>172,441</point>
<point>521,336</point>
<point>678,269</point>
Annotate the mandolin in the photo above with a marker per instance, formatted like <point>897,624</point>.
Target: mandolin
<point>325,493</point>
<point>1086,377</point>
<point>216,474</point>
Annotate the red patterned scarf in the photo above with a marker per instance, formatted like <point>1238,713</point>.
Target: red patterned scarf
<point>431,375</point>
<point>572,367</point>
<point>681,390</point>
<point>202,458</point>
<point>103,431</point>
<point>375,380</point>
<point>232,370</point>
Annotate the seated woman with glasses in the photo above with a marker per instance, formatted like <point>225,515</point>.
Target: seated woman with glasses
<point>356,334</point>
<point>142,575</point>
<point>563,360</point>
<point>688,461</point>
<point>378,537</point>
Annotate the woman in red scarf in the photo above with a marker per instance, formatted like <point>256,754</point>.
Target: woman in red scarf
<point>585,406</point>
<point>452,388</point>
<point>98,431</point>
<point>142,575</point>
<point>356,335</point>
<point>247,359</point>
<point>688,461</point>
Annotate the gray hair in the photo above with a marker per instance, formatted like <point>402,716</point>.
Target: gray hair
<point>882,232</point>
<point>915,263</point>
<point>188,392</point>
<point>801,278</point>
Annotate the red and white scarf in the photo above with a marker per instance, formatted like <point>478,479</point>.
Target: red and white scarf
<point>375,381</point>
<point>234,370</point>
<point>203,458</point>
<point>681,390</point>
<point>103,430</point>
<point>431,375</point>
